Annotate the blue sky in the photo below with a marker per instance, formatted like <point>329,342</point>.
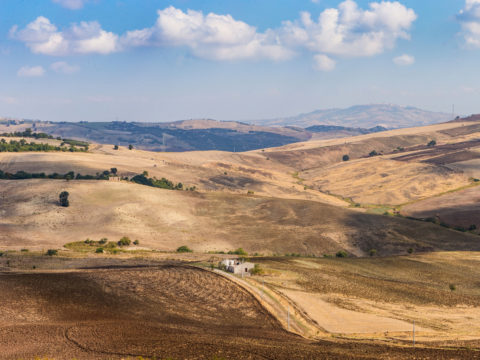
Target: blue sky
<point>157,60</point>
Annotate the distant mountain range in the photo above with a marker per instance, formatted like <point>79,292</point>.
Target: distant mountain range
<point>362,116</point>
<point>208,134</point>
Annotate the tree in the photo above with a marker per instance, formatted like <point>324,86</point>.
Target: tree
<point>64,199</point>
<point>184,249</point>
<point>124,241</point>
<point>115,147</point>
<point>341,254</point>
<point>113,171</point>
<point>52,252</point>
<point>346,158</point>
<point>130,147</point>
<point>373,153</point>
<point>432,143</point>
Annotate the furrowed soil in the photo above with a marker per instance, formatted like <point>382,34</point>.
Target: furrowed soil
<point>168,310</point>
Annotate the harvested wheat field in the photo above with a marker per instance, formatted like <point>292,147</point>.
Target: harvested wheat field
<point>166,219</point>
<point>382,297</point>
<point>163,310</point>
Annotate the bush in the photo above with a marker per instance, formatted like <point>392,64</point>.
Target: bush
<point>410,250</point>
<point>111,245</point>
<point>373,153</point>
<point>239,251</point>
<point>184,249</point>
<point>345,158</point>
<point>472,227</point>
<point>63,198</point>
<point>115,147</point>
<point>257,270</point>
<point>130,147</point>
<point>432,143</point>
<point>124,241</point>
<point>99,250</point>
<point>52,252</point>
<point>1,253</point>
<point>372,252</point>
<point>136,242</point>
<point>341,254</point>
<point>452,287</point>
<point>103,241</point>
<point>24,250</point>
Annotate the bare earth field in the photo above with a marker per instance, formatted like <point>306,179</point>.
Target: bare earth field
<point>160,311</point>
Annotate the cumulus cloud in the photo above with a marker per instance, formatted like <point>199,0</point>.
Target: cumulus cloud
<point>345,31</point>
<point>63,67</point>
<point>71,4</point>
<point>31,71</point>
<point>350,31</point>
<point>404,60</point>
<point>211,36</point>
<point>43,37</point>
<point>469,18</point>
<point>323,63</point>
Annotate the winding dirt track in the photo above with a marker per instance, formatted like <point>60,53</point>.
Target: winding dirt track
<point>166,311</point>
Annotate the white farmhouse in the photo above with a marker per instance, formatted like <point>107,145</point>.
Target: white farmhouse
<point>238,266</point>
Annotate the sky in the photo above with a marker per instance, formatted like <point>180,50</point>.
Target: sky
<point>159,60</point>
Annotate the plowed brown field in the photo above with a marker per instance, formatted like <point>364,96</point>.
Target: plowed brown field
<point>164,311</point>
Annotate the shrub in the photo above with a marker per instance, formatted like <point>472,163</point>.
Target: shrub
<point>136,242</point>
<point>341,254</point>
<point>372,252</point>
<point>103,241</point>
<point>257,270</point>
<point>130,147</point>
<point>410,250</point>
<point>432,143</point>
<point>124,241</point>
<point>99,250</point>
<point>472,227</point>
<point>114,171</point>
<point>250,192</point>
<point>373,153</point>
<point>1,253</point>
<point>115,147</point>
<point>345,158</point>
<point>184,249</point>
<point>63,198</point>
<point>239,251</point>
<point>111,245</point>
<point>452,287</point>
<point>24,250</point>
<point>51,252</point>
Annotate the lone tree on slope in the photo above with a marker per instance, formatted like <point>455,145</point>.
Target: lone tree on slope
<point>64,199</point>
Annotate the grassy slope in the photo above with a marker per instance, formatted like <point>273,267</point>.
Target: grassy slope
<point>165,219</point>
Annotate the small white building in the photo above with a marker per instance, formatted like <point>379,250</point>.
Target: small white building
<point>237,266</point>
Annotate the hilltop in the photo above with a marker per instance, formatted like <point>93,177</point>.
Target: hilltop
<point>362,116</point>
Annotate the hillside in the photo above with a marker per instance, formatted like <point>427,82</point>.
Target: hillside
<point>362,116</point>
<point>31,218</point>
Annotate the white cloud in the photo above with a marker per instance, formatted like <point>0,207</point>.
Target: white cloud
<point>350,31</point>
<point>71,4</point>
<point>64,68</point>
<point>345,31</point>
<point>31,71</point>
<point>10,100</point>
<point>404,60</point>
<point>469,19</point>
<point>211,36</point>
<point>323,63</point>
<point>43,37</point>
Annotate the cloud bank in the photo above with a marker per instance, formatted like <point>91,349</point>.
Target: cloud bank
<point>345,31</point>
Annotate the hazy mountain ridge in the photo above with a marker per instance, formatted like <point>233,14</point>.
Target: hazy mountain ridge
<point>362,116</point>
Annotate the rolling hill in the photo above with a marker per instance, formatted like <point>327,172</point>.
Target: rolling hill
<point>362,116</point>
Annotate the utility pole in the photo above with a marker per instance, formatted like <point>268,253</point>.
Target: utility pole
<point>288,318</point>
<point>413,333</point>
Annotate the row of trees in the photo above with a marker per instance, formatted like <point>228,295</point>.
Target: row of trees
<point>23,146</point>
<point>23,175</point>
